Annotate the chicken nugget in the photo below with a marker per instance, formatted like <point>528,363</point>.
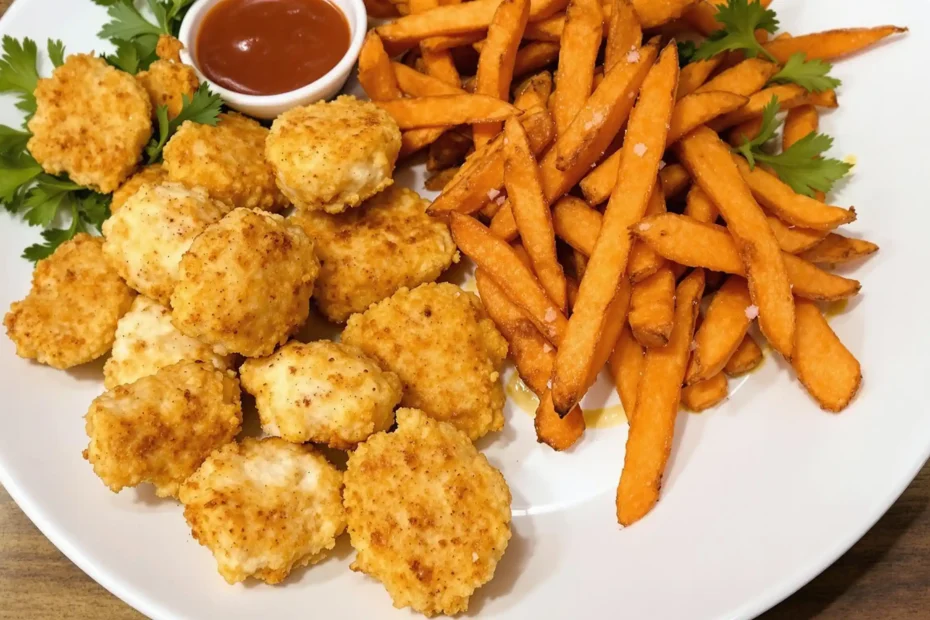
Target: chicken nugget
<point>167,82</point>
<point>427,513</point>
<point>146,342</point>
<point>366,254</point>
<point>146,238</point>
<point>322,392</point>
<point>91,122</point>
<point>162,427</point>
<point>244,285</point>
<point>69,316</point>
<point>330,156</point>
<point>154,174</point>
<point>264,507</point>
<point>227,160</point>
<point>445,349</point>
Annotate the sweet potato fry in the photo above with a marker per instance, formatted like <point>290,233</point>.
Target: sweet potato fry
<point>521,178</point>
<point>375,73</point>
<point>652,308</point>
<point>415,84</point>
<point>745,131</point>
<point>782,201</point>
<point>792,239</point>
<point>711,165</point>
<point>831,44</point>
<point>501,263</point>
<point>694,75</point>
<point>614,321</point>
<point>549,29</point>
<point>702,15</point>
<point>654,13</point>
<point>626,365</point>
<point>705,394</point>
<point>722,331</point>
<point>581,40</point>
<point>747,78</point>
<point>653,425</point>
<point>811,282</point>
<point>496,62</point>
<point>624,33</point>
<point>576,223</point>
<point>451,41</point>
<point>556,432</point>
<point>415,139</point>
<point>643,260</point>
<point>674,179</point>
<point>826,368</point>
<point>449,149</point>
<point>382,9</point>
<point>642,150</point>
<point>696,109</point>
<point>788,95</point>
<point>439,63</point>
<point>535,56</point>
<point>747,356</point>
<point>438,181</point>
<point>824,99</point>
<point>836,249</point>
<point>447,110</point>
<point>800,122</point>
<point>533,91</point>
<point>700,207</point>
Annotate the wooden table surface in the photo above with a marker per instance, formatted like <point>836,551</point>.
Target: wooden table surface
<point>886,575</point>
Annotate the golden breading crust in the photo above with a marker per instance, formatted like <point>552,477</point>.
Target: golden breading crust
<point>167,82</point>
<point>445,349</point>
<point>146,342</point>
<point>162,427</point>
<point>227,160</point>
<point>366,254</point>
<point>264,507</point>
<point>331,156</point>
<point>244,285</point>
<point>70,314</point>
<point>146,238</point>
<point>91,122</point>
<point>154,174</point>
<point>322,392</point>
<point>427,513</point>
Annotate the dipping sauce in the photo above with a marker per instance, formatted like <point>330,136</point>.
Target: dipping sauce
<point>267,47</point>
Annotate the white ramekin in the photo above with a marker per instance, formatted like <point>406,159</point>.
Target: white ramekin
<point>270,106</point>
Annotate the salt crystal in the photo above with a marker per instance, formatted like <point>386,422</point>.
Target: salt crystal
<point>549,384</point>
<point>661,164</point>
<point>500,200</point>
<point>693,345</point>
<point>474,556</point>
<point>640,149</point>
<point>550,315</point>
<point>633,56</point>
<point>752,312</point>
<point>547,347</point>
<point>644,226</point>
<point>493,193</point>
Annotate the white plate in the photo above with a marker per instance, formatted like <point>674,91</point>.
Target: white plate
<point>762,492</point>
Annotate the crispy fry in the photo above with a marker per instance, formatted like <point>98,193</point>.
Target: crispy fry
<point>581,40</point>
<point>521,178</point>
<point>380,8</point>
<point>694,75</point>
<point>556,432</point>
<point>705,394</point>
<point>831,44</point>
<point>642,151</point>
<point>439,63</point>
<point>415,139</point>
<point>549,29</point>
<point>502,264</point>
<point>674,179</point>
<point>614,321</point>
<point>643,260</point>
<point>447,110</point>
<point>626,366</point>
<point>534,56</point>
<point>375,73</point>
<point>836,249</point>
<point>450,41</point>
<point>534,91</point>
<point>700,207</point>
<point>702,15</point>
<point>576,223</point>
<point>722,331</point>
<point>624,33</point>
<point>788,95</point>
<point>792,239</point>
<point>709,161</point>
<point>811,282</point>
<point>653,425</point>
<point>449,150</point>
<point>825,99</point>
<point>748,355</point>
<point>652,308</point>
<point>826,368</point>
<point>415,84</point>
<point>746,78</point>
<point>795,209</point>
<point>438,181</point>
<point>800,122</point>
<point>653,13</point>
<point>696,109</point>
<point>745,131</point>
<point>496,62</point>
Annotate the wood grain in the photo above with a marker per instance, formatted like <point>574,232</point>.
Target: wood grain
<point>885,576</point>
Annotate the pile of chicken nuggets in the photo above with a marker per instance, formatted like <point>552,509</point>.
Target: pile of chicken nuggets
<point>197,289</point>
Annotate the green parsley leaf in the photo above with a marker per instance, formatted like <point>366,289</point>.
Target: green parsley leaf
<point>686,50</point>
<point>204,108</point>
<point>126,23</point>
<point>56,52</point>
<point>176,9</point>
<point>810,74</point>
<point>160,11</point>
<point>16,171</point>
<point>12,141</point>
<point>105,2</point>
<point>18,73</point>
<point>766,132</point>
<point>95,209</point>
<point>126,57</point>
<point>53,238</point>
<point>739,19</point>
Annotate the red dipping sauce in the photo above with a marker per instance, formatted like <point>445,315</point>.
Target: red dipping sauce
<point>267,47</point>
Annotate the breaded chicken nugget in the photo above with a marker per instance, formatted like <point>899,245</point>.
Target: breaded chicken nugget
<point>154,174</point>
<point>331,156</point>
<point>445,349</point>
<point>264,507</point>
<point>161,428</point>
<point>146,238</point>
<point>245,283</point>
<point>70,315</point>
<point>427,513</point>
<point>322,392</point>
<point>91,122</point>
<point>366,254</point>
<point>146,342</point>
<point>167,82</point>
<point>227,160</point>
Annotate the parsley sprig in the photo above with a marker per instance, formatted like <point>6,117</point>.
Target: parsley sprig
<point>204,108</point>
<point>802,165</point>
<point>134,36</point>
